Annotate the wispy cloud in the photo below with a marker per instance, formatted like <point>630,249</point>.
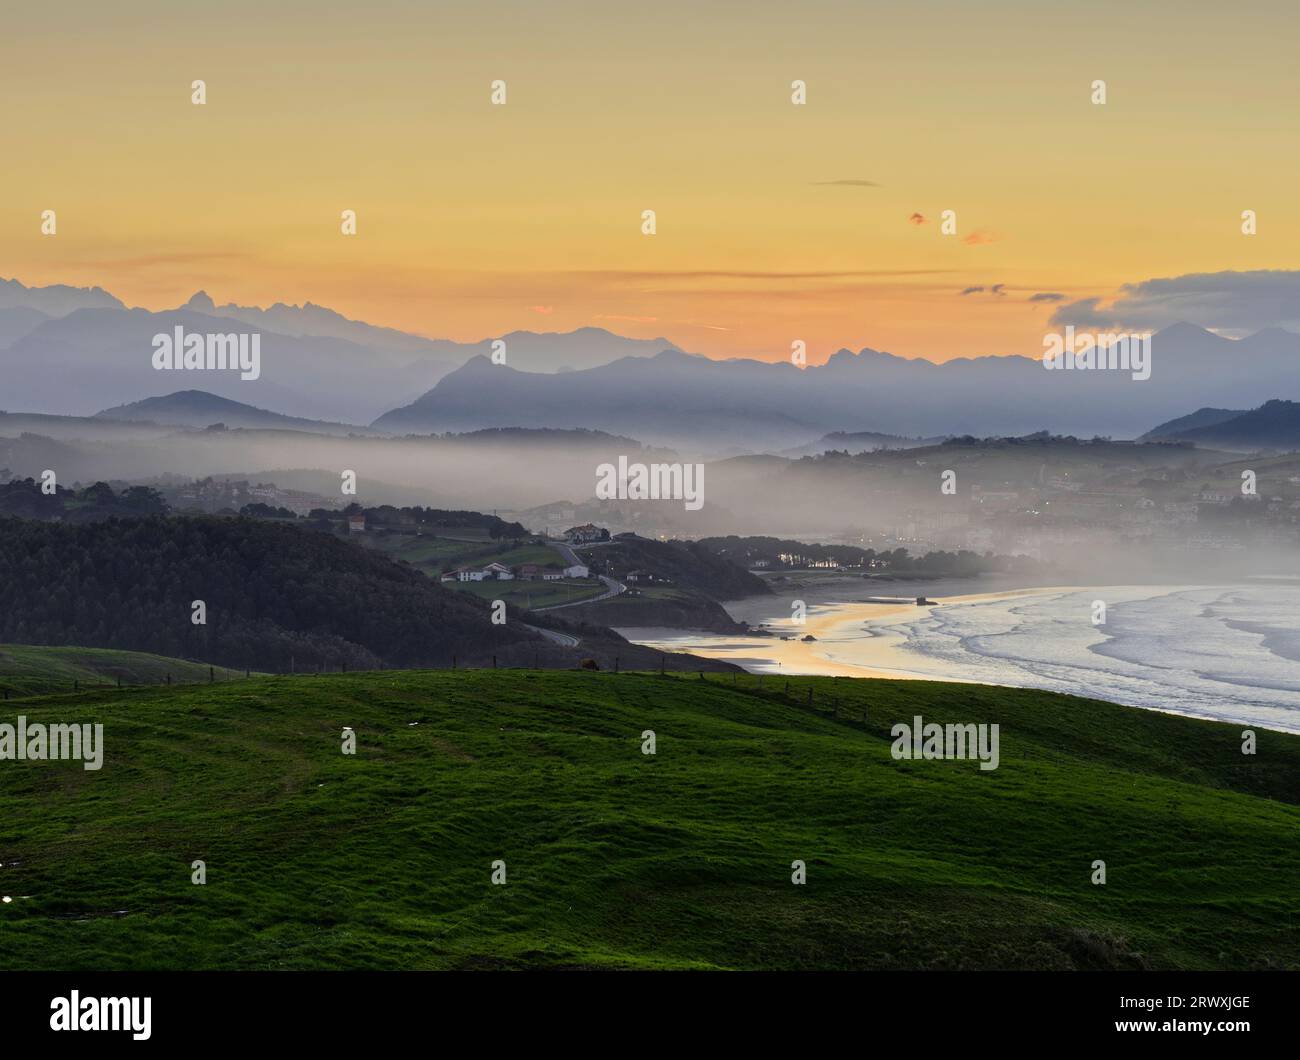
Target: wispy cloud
<point>1222,301</point>
<point>752,274</point>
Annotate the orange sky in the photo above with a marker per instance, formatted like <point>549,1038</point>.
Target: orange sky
<point>475,220</point>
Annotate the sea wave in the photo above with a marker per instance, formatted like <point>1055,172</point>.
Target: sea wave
<point>1228,653</point>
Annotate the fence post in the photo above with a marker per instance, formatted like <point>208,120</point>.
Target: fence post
<point>212,674</point>
<point>616,664</point>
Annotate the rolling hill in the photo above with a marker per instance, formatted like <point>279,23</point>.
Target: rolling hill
<point>279,597</point>
<point>1200,418</point>
<point>197,408</point>
<point>857,442</point>
<point>617,859</point>
<point>1274,425</point>
<point>276,597</point>
<point>684,590</point>
<point>27,669</point>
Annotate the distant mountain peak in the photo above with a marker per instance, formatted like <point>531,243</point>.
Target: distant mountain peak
<point>1183,331</point>
<point>57,299</point>
<point>1273,333</point>
<point>479,364</point>
<point>195,394</point>
<point>200,408</point>
<point>200,302</point>
<point>865,356</point>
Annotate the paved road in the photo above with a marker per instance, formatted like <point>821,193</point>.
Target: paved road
<point>566,553</point>
<point>612,588</point>
<point>566,640</point>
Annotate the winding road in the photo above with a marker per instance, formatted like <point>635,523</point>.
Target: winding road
<point>612,587</point>
<point>565,640</point>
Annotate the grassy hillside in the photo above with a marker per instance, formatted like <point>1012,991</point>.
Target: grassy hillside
<point>27,670</point>
<point>617,859</point>
<point>689,580</point>
<point>433,555</point>
<point>687,565</point>
<point>658,605</point>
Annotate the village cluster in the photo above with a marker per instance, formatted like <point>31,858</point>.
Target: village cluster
<point>576,535</point>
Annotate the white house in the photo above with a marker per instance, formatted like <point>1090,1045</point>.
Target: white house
<point>465,574</point>
<point>499,571</point>
<point>578,570</point>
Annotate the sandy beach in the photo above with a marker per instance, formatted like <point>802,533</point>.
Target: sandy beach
<point>1228,652</point>
<point>852,639</point>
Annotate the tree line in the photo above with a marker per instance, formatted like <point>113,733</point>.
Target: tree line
<point>276,596</point>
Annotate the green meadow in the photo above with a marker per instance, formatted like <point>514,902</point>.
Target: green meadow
<point>27,669</point>
<point>431,554</point>
<point>617,859</point>
<point>533,594</point>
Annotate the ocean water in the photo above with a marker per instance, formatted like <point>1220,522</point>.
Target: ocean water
<point>1226,652</point>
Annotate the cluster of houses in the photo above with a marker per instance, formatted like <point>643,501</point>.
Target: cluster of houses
<point>585,534</point>
<point>215,494</point>
<point>525,572</point>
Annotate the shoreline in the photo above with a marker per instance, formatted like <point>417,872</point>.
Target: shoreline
<point>861,638</point>
<point>832,624</point>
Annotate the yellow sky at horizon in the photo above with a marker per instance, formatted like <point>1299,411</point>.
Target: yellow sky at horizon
<point>475,220</point>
